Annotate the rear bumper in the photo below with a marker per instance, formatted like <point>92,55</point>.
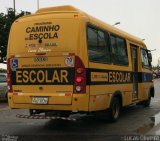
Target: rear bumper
<point>79,102</point>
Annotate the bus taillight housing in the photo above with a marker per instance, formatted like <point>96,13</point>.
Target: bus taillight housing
<point>80,76</point>
<point>9,80</point>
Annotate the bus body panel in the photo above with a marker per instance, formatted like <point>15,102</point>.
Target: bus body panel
<point>15,101</point>
<point>42,60</point>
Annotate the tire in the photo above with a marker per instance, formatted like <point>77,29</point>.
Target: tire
<point>147,102</point>
<point>114,110</point>
<point>6,97</point>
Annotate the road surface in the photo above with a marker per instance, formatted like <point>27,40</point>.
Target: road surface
<point>134,120</point>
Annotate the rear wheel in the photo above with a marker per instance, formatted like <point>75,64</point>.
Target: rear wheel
<point>114,110</point>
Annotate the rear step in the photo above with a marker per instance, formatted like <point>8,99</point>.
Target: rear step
<point>45,117</point>
<point>72,117</point>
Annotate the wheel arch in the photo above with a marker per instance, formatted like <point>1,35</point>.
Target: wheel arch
<point>117,94</point>
<point>152,91</point>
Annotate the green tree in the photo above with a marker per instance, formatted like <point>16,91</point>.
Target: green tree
<point>6,21</point>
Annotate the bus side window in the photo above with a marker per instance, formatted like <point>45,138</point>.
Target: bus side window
<point>98,47</point>
<point>144,59</point>
<point>119,50</point>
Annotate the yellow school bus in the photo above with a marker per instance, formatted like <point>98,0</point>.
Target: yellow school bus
<point>63,61</point>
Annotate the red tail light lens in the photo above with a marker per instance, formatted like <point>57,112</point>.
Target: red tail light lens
<point>80,76</point>
<point>79,79</point>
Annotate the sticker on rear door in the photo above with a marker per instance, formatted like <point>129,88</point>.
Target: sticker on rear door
<point>69,61</point>
<point>14,64</point>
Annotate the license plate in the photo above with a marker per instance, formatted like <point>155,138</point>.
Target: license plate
<point>40,100</point>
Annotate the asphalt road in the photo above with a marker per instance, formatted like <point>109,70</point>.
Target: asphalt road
<point>134,120</point>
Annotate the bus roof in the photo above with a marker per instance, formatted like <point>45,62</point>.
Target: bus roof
<point>66,8</point>
<point>110,28</point>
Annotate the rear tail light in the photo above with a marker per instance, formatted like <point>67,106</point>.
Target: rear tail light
<point>79,79</point>
<point>80,76</point>
<point>78,88</point>
<point>9,81</point>
<point>80,70</point>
